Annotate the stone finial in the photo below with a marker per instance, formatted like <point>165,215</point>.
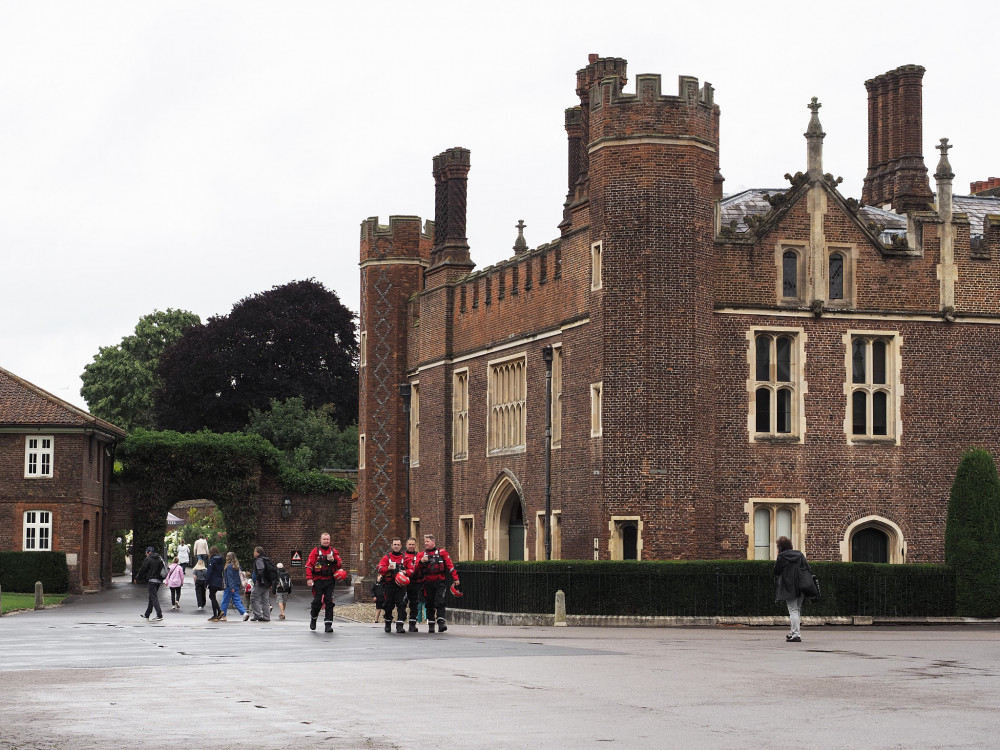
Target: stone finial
<point>520,246</point>
<point>814,141</point>
<point>943,171</point>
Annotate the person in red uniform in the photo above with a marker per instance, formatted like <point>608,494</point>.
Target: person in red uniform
<point>392,564</point>
<point>323,570</point>
<point>435,571</point>
<point>413,590</point>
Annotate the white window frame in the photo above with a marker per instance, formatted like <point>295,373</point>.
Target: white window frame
<point>506,420</point>
<point>460,415</point>
<point>35,523</point>
<point>596,268</point>
<point>893,387</point>
<point>39,456</point>
<point>415,423</point>
<point>361,451</point>
<point>596,409</point>
<point>798,508</point>
<point>797,385</point>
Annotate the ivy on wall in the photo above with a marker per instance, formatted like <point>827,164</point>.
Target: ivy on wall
<point>163,468</point>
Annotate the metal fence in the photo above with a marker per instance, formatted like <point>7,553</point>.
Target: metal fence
<point>702,592</point>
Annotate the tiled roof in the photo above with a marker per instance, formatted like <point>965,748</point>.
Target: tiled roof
<point>25,404</point>
<point>752,203</point>
<point>976,206</point>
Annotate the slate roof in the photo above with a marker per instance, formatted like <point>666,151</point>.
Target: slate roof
<point>752,203</point>
<point>23,404</point>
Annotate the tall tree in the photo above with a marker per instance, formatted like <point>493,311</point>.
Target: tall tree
<point>309,438</point>
<point>972,535</point>
<point>292,340</point>
<point>119,384</point>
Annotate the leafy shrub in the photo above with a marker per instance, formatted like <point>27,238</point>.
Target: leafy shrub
<point>20,570</point>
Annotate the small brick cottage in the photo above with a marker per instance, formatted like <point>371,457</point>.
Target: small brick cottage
<point>55,467</point>
<point>724,369</point>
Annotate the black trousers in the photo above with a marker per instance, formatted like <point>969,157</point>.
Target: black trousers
<point>199,593</point>
<point>322,593</point>
<point>153,589</point>
<point>434,592</point>
<point>394,598</point>
<point>413,594</point>
<point>216,608</point>
<point>175,594</point>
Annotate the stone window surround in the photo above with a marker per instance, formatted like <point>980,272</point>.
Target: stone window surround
<point>799,509</point>
<point>556,535</point>
<point>850,253</point>
<point>894,386</point>
<point>557,395</point>
<point>467,537</point>
<point>799,385</point>
<point>596,409</point>
<point>615,526</point>
<point>361,451</point>
<point>520,421</point>
<point>801,251</point>
<point>897,542</point>
<point>460,415</point>
<point>363,349</point>
<point>39,452</point>
<point>596,268</point>
<point>414,423</point>
<point>37,520</point>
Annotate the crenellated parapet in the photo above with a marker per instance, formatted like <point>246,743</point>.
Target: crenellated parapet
<point>528,271</point>
<point>404,237</point>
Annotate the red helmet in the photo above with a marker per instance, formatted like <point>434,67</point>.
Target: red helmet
<point>402,579</point>
<point>456,590</point>
<point>340,575</point>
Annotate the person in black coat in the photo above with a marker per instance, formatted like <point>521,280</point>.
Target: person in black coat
<point>151,571</point>
<point>214,580</point>
<point>787,569</point>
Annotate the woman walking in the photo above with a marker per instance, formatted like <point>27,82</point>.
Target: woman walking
<point>215,580</point>
<point>200,583</point>
<point>233,588</point>
<point>174,581</point>
<point>787,569</point>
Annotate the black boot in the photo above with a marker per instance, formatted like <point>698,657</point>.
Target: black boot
<point>312,623</point>
<point>413,626</point>
<point>430,627</point>
<point>442,625</point>
<point>399,627</point>
<point>388,626</point>
<point>329,626</point>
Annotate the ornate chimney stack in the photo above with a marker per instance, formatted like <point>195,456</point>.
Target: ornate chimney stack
<point>896,172</point>
<point>451,172</point>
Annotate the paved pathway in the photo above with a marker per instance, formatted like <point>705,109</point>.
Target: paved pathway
<point>91,674</point>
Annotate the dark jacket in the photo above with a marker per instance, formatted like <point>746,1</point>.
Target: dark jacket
<point>786,572</point>
<point>215,565</point>
<point>150,569</point>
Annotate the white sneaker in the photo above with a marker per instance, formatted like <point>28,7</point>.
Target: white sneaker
<point>143,617</point>
<point>157,619</point>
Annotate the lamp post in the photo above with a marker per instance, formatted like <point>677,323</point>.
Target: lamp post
<point>404,395</point>
<point>547,356</point>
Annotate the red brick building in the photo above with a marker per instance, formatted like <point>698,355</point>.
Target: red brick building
<point>55,466</point>
<point>725,370</point>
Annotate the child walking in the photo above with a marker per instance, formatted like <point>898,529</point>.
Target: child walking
<point>174,581</point>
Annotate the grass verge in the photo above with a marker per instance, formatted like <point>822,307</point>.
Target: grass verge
<point>12,602</point>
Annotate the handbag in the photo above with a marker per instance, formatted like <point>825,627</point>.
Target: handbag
<point>807,583</point>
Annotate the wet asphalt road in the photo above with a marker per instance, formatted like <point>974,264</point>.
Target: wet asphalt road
<point>91,674</point>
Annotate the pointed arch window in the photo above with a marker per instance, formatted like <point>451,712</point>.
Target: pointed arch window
<point>790,274</point>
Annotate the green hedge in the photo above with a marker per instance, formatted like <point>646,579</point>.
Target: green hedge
<point>702,588</point>
<point>20,570</point>
<point>118,554</point>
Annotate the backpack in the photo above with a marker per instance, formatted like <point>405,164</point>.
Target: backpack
<point>284,583</point>
<point>269,576</point>
<point>164,571</point>
<point>200,575</point>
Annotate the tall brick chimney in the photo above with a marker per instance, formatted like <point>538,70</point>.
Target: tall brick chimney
<point>896,172</point>
<point>451,180</point>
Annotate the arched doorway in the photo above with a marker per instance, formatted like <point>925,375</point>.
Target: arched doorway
<point>506,533</point>
<point>870,545</point>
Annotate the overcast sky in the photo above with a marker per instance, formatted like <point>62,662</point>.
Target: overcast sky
<point>188,154</point>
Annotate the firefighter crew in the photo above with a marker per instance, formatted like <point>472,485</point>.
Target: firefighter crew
<point>395,569</point>
<point>323,570</point>
<point>434,569</point>
<point>413,590</point>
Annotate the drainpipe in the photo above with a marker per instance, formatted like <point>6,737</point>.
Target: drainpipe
<point>547,356</point>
